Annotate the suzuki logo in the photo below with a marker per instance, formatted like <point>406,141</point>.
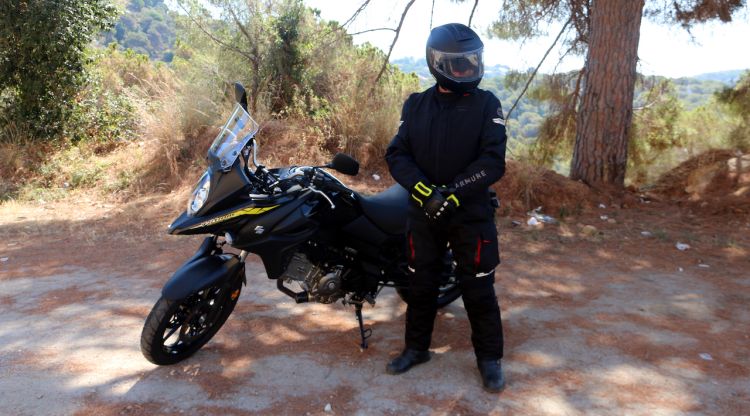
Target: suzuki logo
<point>259,229</point>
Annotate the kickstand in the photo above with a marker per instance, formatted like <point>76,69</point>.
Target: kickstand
<point>364,333</point>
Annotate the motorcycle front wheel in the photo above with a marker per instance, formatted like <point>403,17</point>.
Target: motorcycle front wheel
<point>175,330</point>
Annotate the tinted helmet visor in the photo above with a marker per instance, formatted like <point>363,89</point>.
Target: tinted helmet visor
<point>459,67</point>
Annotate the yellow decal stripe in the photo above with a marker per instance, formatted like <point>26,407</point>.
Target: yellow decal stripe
<point>244,211</point>
<point>252,211</point>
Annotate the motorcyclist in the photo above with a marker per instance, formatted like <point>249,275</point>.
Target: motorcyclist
<point>449,148</point>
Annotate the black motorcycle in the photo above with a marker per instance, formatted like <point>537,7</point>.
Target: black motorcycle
<point>319,240</point>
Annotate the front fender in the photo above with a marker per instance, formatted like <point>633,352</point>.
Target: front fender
<point>199,273</point>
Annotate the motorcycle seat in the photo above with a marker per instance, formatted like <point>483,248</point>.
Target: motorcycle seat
<point>387,209</point>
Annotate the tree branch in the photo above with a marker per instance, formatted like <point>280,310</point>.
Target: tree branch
<point>217,40</point>
<point>356,13</point>
<point>395,38</point>
<point>473,9</point>
<point>432,12</point>
<point>244,31</point>
<point>373,30</point>
<point>562,56</point>
<point>533,74</point>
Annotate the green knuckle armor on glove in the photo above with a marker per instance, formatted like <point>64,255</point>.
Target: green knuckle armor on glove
<point>436,202</point>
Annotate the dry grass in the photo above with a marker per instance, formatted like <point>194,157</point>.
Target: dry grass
<point>525,187</point>
<point>715,182</point>
<point>676,182</point>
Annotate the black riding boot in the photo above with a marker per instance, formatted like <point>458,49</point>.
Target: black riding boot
<point>408,359</point>
<point>484,316</point>
<point>491,371</point>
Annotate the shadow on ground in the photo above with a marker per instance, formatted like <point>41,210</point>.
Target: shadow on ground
<point>608,324</point>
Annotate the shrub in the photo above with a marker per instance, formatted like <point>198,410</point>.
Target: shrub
<point>42,60</point>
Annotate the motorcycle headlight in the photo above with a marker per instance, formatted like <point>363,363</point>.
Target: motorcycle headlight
<point>200,194</point>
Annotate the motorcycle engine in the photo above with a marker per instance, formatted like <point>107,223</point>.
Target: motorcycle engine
<point>323,284</point>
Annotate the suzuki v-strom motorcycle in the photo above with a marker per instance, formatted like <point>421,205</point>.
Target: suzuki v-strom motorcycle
<point>319,240</point>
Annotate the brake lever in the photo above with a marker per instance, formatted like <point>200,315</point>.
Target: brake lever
<point>313,175</point>
<point>317,191</point>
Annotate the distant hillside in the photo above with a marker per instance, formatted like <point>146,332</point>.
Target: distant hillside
<point>695,92</point>
<point>728,78</point>
<point>145,27</point>
<point>418,66</point>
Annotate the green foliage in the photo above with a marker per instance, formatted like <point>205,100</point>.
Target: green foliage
<point>655,131</point>
<point>147,28</point>
<point>42,61</point>
<point>738,101</point>
<point>297,66</point>
<point>522,19</point>
<point>105,112</point>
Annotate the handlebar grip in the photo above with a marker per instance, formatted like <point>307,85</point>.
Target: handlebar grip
<point>338,187</point>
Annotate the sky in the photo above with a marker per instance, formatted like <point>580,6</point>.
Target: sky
<point>663,49</point>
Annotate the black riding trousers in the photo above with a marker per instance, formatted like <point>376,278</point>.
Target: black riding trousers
<point>475,249</point>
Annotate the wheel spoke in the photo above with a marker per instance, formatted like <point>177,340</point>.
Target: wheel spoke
<point>194,320</point>
<point>166,337</point>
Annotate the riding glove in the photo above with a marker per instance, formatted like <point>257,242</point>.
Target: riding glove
<point>435,204</point>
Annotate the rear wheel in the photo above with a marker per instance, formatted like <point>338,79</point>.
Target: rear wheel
<point>447,293</point>
<point>175,330</point>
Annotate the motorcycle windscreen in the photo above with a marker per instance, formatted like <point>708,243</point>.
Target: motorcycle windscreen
<point>237,131</point>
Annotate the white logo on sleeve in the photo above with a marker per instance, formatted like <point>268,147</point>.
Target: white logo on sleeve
<point>500,119</point>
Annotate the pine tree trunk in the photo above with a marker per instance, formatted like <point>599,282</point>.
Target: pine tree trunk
<point>603,123</point>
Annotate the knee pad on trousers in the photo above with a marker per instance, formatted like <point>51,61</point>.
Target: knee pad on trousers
<point>477,283</point>
<point>478,291</point>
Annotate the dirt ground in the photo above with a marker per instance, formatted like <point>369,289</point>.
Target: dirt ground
<point>616,321</point>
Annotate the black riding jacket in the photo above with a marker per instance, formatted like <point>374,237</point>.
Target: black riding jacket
<point>455,140</point>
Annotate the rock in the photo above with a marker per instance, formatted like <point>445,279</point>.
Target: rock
<point>682,246</point>
<point>646,233</point>
<point>739,164</point>
<point>328,408</point>
<point>612,221</point>
<point>589,230</point>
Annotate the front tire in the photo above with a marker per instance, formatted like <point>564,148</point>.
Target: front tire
<point>176,329</point>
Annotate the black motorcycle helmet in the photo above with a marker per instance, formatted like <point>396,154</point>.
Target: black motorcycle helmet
<point>454,56</point>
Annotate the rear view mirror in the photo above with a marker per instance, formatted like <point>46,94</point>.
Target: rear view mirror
<point>240,95</point>
<point>345,164</point>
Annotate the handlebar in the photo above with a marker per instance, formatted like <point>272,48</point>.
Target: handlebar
<point>311,178</point>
